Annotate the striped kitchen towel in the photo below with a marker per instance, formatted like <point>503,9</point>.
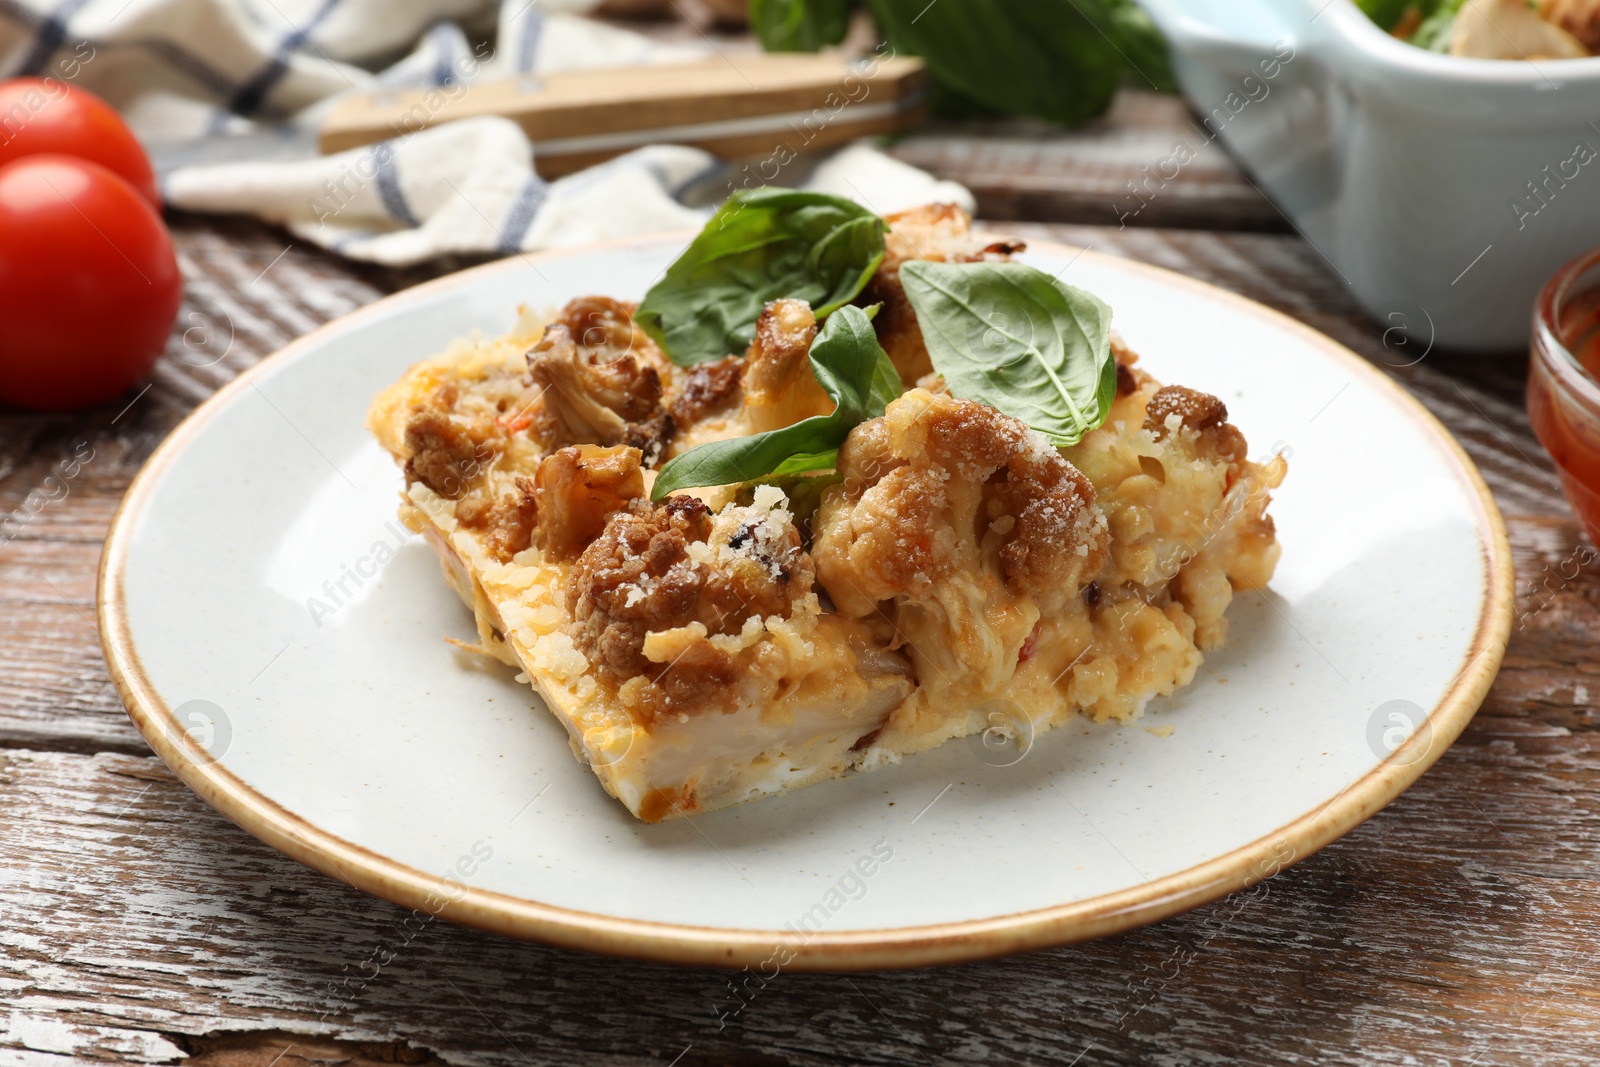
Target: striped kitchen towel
<point>182,70</point>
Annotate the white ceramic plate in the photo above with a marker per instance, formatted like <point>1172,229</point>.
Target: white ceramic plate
<point>356,740</point>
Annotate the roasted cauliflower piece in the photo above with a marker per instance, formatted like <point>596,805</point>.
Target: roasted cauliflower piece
<point>605,330</point>
<point>939,232</point>
<point>578,488</point>
<point>711,392</point>
<point>968,524</point>
<point>1185,505</point>
<point>668,597</point>
<point>448,453</point>
<point>586,401</point>
<point>506,524</point>
<point>779,387</point>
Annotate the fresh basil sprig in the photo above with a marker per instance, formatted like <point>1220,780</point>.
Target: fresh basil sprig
<point>851,368</point>
<point>799,25</point>
<point>1013,337</point>
<point>1058,59</point>
<point>762,245</point>
<point>1061,59</point>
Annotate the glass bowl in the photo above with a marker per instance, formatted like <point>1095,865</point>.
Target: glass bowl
<point>1563,390</point>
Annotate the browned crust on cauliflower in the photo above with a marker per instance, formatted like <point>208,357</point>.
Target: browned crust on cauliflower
<point>578,488</point>
<point>634,578</point>
<point>651,437</point>
<point>663,567</point>
<point>894,526</point>
<point>1202,416</point>
<point>447,454</point>
<point>587,401</point>
<point>710,386</point>
<point>1194,409</point>
<point>507,524</point>
<point>779,354</point>
<point>1049,499</point>
<point>605,329</point>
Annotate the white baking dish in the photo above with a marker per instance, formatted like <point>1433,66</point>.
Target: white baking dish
<point>1443,191</point>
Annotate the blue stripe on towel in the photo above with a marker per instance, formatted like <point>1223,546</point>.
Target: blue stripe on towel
<point>251,95</point>
<point>394,198</point>
<point>522,213</point>
<point>528,38</point>
<point>443,43</point>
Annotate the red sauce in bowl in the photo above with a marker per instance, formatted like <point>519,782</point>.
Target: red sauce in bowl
<point>1564,382</point>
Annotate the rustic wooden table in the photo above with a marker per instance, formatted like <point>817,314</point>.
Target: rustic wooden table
<point>1461,925</point>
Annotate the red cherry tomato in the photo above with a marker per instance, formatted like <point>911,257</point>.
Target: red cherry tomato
<point>89,284</point>
<point>46,115</point>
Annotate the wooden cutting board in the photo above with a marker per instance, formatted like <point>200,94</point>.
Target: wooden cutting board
<point>735,107</point>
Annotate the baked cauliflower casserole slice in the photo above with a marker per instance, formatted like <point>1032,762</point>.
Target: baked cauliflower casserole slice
<point>737,641</point>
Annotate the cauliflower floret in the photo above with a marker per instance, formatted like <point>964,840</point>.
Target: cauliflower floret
<point>779,387</point>
<point>605,330</point>
<point>506,524</point>
<point>448,453</point>
<point>971,524</point>
<point>651,596</point>
<point>1186,506</point>
<point>938,232</point>
<point>586,401</point>
<point>709,388</point>
<point>1191,408</point>
<point>577,489</point>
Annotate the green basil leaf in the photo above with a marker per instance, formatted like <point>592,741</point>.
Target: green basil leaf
<point>1145,51</point>
<point>851,368</point>
<point>1058,59</point>
<point>806,462</point>
<point>1437,29</point>
<point>762,245</point>
<point>1012,337</point>
<point>799,25</point>
<point>886,385</point>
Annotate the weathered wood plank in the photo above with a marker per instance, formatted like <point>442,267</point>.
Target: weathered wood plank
<point>1458,924</point>
<point>1123,169</point>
